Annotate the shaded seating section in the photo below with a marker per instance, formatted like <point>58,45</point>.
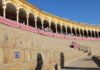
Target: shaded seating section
<point>45,33</point>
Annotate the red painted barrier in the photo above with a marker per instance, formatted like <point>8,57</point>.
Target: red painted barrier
<point>34,30</point>
<point>9,22</point>
<point>45,33</point>
<point>28,28</point>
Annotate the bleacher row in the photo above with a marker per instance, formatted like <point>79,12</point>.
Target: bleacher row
<point>38,31</point>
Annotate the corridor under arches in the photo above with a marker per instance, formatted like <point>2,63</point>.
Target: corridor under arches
<point>22,16</point>
<point>93,35</point>
<point>11,12</point>
<point>64,29</point>
<point>53,27</point>
<point>39,24</point>
<point>68,30</point>
<point>89,33</point>
<point>58,28</point>
<point>45,25</point>
<point>77,32</point>
<point>73,32</point>
<point>1,8</point>
<point>96,34</point>
<point>85,33</point>
<point>81,33</point>
<point>31,20</point>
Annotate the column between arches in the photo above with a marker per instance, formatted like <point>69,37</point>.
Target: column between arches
<point>17,17</point>
<point>4,10</point>
<point>66,29</point>
<point>35,19</point>
<point>27,18</point>
<point>42,23</point>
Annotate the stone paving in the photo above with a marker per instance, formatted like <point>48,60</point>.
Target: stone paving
<point>83,64</point>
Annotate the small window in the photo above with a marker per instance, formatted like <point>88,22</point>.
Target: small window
<point>17,54</point>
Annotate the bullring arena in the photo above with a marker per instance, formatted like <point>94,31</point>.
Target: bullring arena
<point>31,39</point>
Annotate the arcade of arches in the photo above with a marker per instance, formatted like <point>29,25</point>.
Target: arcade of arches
<point>20,15</point>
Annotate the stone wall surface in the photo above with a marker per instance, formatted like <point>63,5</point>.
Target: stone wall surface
<point>29,44</point>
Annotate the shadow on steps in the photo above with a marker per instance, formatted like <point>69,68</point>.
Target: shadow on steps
<point>79,68</point>
<point>96,60</point>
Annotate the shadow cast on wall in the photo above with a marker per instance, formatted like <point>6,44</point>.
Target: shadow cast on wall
<point>56,67</point>
<point>62,60</point>
<point>39,62</point>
